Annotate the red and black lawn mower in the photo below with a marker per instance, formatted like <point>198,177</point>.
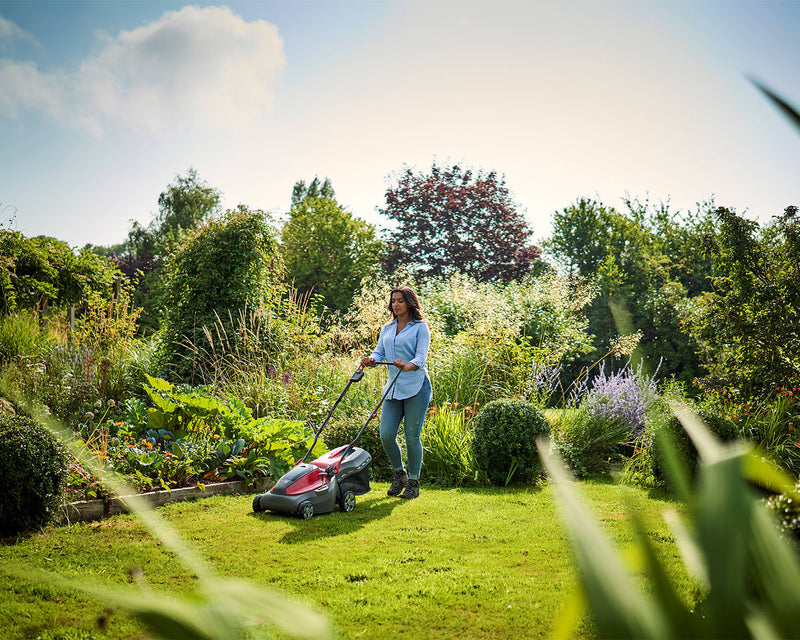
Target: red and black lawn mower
<point>335,478</point>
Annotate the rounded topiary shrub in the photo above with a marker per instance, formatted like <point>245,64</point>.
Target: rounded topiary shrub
<point>504,441</point>
<point>33,470</point>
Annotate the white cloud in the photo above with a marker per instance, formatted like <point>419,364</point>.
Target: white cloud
<point>22,87</point>
<point>194,68</point>
<point>10,32</point>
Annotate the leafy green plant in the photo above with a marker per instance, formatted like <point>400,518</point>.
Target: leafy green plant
<point>748,575</point>
<point>33,466</point>
<point>246,467</point>
<point>504,441</point>
<point>446,438</point>
<point>281,443</point>
<point>587,442</point>
<point>191,410</point>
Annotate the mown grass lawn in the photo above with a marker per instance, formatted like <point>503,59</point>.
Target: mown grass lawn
<point>455,563</point>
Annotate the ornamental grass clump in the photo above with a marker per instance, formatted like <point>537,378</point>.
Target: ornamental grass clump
<point>545,380</point>
<point>586,442</point>
<point>446,442</point>
<point>33,466</point>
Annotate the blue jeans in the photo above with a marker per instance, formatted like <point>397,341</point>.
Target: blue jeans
<point>413,411</point>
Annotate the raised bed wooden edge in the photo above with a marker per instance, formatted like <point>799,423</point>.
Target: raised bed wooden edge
<point>88,510</point>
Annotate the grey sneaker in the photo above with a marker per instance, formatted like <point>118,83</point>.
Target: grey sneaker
<point>399,480</point>
<point>411,490</point>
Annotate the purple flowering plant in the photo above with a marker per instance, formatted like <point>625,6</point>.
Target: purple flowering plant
<point>545,381</point>
<point>625,394</point>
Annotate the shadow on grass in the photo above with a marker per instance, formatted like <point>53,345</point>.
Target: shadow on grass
<point>370,507</point>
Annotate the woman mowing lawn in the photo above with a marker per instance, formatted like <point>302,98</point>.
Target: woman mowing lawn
<point>404,342</point>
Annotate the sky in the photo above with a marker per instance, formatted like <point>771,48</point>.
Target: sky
<point>103,104</point>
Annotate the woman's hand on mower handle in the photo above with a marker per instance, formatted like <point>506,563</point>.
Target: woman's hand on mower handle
<point>367,362</point>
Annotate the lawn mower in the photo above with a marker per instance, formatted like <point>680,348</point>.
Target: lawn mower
<point>335,478</point>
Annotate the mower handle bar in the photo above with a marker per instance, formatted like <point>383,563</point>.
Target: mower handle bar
<point>357,375</point>
<point>374,412</point>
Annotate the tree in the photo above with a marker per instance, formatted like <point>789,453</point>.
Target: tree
<point>750,325</point>
<point>225,267</point>
<point>300,191</point>
<point>455,220</point>
<point>648,266</point>
<point>38,272</point>
<point>183,206</point>
<point>581,236</point>
<point>327,251</point>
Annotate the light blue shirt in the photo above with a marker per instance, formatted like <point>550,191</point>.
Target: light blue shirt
<point>411,345</point>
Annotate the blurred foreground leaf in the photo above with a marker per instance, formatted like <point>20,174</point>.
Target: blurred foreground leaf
<point>748,575</point>
<point>784,107</point>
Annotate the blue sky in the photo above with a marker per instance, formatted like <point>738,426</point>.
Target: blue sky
<point>102,104</point>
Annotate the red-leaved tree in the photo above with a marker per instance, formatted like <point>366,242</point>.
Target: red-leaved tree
<point>453,219</point>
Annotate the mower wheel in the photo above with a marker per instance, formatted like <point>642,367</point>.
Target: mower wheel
<point>305,510</point>
<point>347,501</point>
<point>257,504</point>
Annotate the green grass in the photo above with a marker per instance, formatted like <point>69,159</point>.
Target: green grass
<point>466,563</point>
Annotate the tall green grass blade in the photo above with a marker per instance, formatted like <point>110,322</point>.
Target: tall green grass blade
<point>707,446</point>
<point>690,551</point>
<point>619,610</point>
<point>164,616</point>
<point>723,503</point>
<point>681,623</point>
<point>675,467</point>
<point>762,628</point>
<point>777,570</point>
<point>767,475</point>
<point>569,617</point>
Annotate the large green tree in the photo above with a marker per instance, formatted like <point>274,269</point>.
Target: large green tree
<point>327,251</point>
<point>314,189</point>
<point>228,265</point>
<point>750,324</point>
<point>183,206</point>
<point>36,273</point>
<point>453,219</point>
<point>648,265</point>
